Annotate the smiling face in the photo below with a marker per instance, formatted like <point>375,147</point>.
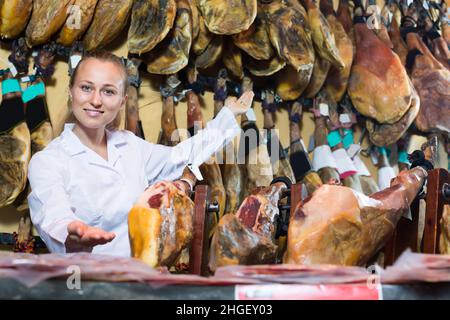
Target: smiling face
<point>98,93</point>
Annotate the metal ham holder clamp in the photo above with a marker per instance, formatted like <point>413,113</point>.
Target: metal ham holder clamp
<point>199,252</point>
<point>292,192</point>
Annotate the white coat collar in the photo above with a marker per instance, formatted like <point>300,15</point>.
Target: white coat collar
<point>75,146</point>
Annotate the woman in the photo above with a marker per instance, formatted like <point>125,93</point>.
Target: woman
<point>86,180</point>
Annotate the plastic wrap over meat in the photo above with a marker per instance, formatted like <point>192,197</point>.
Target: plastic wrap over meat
<point>160,224</point>
<point>354,227</point>
<point>248,236</point>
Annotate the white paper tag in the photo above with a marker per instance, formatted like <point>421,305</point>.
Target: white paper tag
<point>345,118</point>
<point>12,69</point>
<point>35,53</point>
<point>75,60</point>
<point>250,114</point>
<point>343,161</point>
<point>323,158</point>
<point>324,110</point>
<point>196,171</point>
<point>361,167</point>
<point>25,79</point>
<point>353,150</point>
<point>385,175</point>
<point>425,5</point>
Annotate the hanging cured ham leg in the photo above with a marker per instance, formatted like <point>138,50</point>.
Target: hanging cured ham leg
<point>151,21</point>
<point>355,227</point>
<point>79,19</point>
<point>337,78</point>
<point>210,169</point>
<point>400,47</point>
<point>280,163</point>
<point>432,82</point>
<point>298,156</point>
<point>387,134</point>
<point>14,134</point>
<point>47,17</point>
<point>228,17</point>
<point>438,45</point>
<point>323,160</point>
<point>322,35</point>
<point>14,16</point>
<point>132,122</point>
<point>160,224</point>
<point>110,17</point>
<point>172,54</point>
<point>36,110</point>
<point>168,136</point>
<point>248,236</point>
<point>257,160</point>
<point>384,93</point>
<point>233,172</point>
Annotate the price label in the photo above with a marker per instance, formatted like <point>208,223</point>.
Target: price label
<point>75,60</point>
<point>12,69</point>
<point>345,118</point>
<point>324,109</point>
<point>196,171</point>
<point>353,150</point>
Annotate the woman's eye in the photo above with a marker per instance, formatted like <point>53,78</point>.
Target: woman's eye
<point>86,88</point>
<point>109,92</point>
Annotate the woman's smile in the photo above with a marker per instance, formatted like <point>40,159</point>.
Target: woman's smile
<point>94,113</point>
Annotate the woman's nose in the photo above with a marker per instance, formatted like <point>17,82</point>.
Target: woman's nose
<point>96,100</point>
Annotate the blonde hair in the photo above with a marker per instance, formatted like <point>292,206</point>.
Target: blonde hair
<point>104,56</point>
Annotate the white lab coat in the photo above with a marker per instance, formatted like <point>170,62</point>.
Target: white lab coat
<point>71,182</point>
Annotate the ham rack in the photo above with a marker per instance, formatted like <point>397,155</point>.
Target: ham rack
<point>406,234</point>
<point>199,253</point>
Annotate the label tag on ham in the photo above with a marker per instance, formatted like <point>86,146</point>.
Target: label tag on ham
<point>12,69</point>
<point>353,150</point>
<point>250,114</point>
<point>308,292</point>
<point>361,167</point>
<point>324,110</point>
<point>345,166</point>
<point>75,60</point>
<point>345,118</point>
<point>385,175</point>
<point>25,79</point>
<point>196,171</point>
<point>323,158</point>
